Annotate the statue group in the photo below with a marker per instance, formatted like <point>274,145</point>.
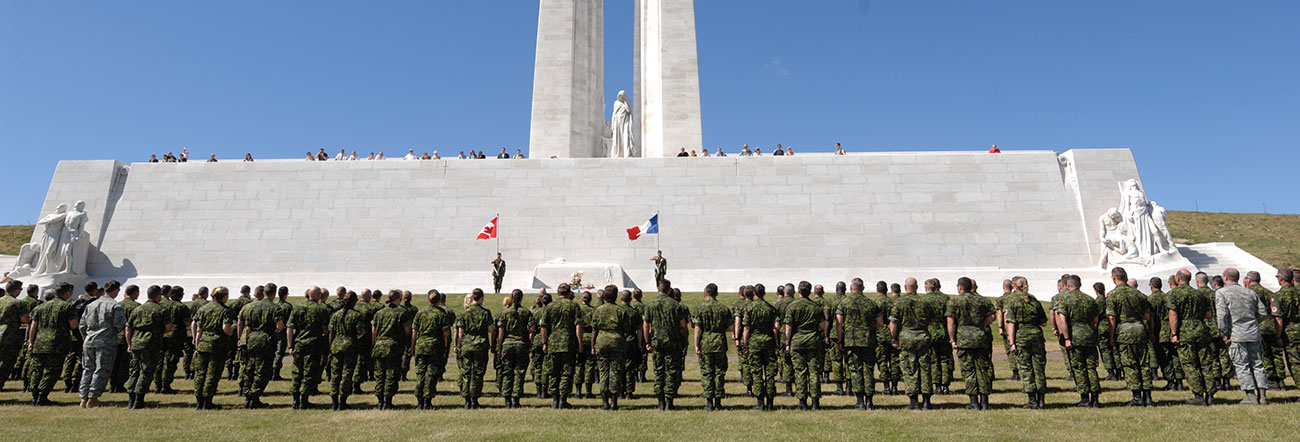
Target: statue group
<point>62,248</point>
<point>1136,232</point>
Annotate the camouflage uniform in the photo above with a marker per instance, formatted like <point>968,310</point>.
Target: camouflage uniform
<point>1060,337</point>
<point>72,360</point>
<point>633,351</point>
<point>389,327</point>
<point>473,325</point>
<point>738,314</point>
<point>914,318</point>
<point>1222,365</point>
<point>233,364</point>
<point>974,341</point>
<point>213,349</point>
<point>585,370</point>
<point>1027,314</point>
<point>432,328</point>
<point>283,310</point>
<point>1195,351</point>
<point>1109,354</point>
<point>346,327</point>
<point>667,338</point>
<point>260,327</point>
<point>760,318</point>
<point>188,362</point>
<point>11,334</point>
<point>784,364</point>
<point>1000,304</point>
<point>560,319</point>
<point>365,370</point>
<point>1286,305</point>
<point>941,349</point>
<point>515,323</point>
<point>26,364</point>
<point>147,324</point>
<point>173,342</point>
<point>887,357</point>
<point>713,319</point>
<point>1081,316</point>
<point>835,351</point>
<point>1166,353</point>
<point>807,349</point>
<point>537,359</point>
<point>310,346</point>
<point>52,343</point>
<point>611,321</point>
<point>860,342</point>
<point>498,274</point>
<point>409,312</point>
<point>1274,356</point>
<point>1129,308</point>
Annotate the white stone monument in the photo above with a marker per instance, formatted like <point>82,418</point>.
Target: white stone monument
<point>61,254</point>
<point>666,75</point>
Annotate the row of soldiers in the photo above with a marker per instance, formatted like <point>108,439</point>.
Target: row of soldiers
<point>804,338</point>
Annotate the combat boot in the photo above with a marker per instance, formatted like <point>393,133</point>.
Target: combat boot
<point>305,404</point>
<point>984,402</point>
<point>762,404</point>
<point>1260,393</point>
<point>789,390</point>
<point>1095,400</point>
<point>388,403</point>
<point>1031,403</point>
<point>1042,399</point>
<point>1250,399</point>
<point>334,403</point>
<point>1146,399</point>
<point>208,405</point>
<point>1084,400</point>
<point>613,403</point>
<point>911,402</point>
<point>1209,399</point>
<point>861,405</point>
<point>343,403</point>
<point>839,388</point>
<point>749,391</point>
<point>1137,399</point>
<point>256,401</point>
<point>925,402</point>
<point>868,403</point>
<point>1015,376</point>
<point>708,404</point>
<point>771,407</point>
<point>356,389</point>
<point>974,402</point>
<point>1195,400</point>
<point>297,401</point>
<point>139,401</point>
<point>816,404</point>
<point>379,401</point>
<point>668,403</point>
<point>803,404</point>
<point>662,406</point>
<point>198,402</point>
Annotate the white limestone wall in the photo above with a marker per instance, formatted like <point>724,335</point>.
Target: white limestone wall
<point>667,76</point>
<point>728,220</point>
<point>569,80</point>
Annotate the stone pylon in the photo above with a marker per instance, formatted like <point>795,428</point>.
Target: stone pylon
<point>569,80</point>
<point>666,90</point>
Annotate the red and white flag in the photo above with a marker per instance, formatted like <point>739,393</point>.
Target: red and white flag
<point>489,231</point>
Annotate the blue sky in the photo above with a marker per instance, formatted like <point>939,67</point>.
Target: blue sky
<point>1205,93</point>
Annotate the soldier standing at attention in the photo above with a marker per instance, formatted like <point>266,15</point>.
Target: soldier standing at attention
<point>886,354</point>
<point>786,293</point>
<point>213,327</point>
<point>233,365</point>
<point>634,350</point>
<point>144,333</point>
<point>806,339</point>
<point>909,331</point>
<point>857,319</point>
<point>472,348</point>
<point>585,371</point>
<point>387,331</point>
<point>1000,304</point>
<point>308,343</point>
<point>1188,312</point>
<point>25,363</point>
<point>345,329</point>
<point>13,317</point>
<point>48,341</point>
<point>1223,367</point>
<point>665,327</point>
<point>561,323</point>
<point>661,266</point>
<point>498,273</point>
<point>174,340</point>
<point>1274,356</point>
<point>1077,318</point>
<point>1285,308</point>
<point>366,306</point>
<point>1051,317</point>
<point>430,333</point>
<point>1108,355</point>
<point>941,351</point>
<point>711,320</point>
<point>410,310</point>
<point>197,300</point>
<point>760,346</point>
<point>969,316</point>
<point>258,324</point>
<point>737,328</point>
<point>1130,324</point>
<point>537,358</point>
<point>643,364</point>
<point>1165,352</point>
<point>608,323</point>
<point>835,352</point>
<point>283,311</point>
<point>1025,321</point>
<point>514,335</point>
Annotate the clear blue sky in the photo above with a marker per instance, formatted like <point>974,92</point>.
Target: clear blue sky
<point>1207,94</point>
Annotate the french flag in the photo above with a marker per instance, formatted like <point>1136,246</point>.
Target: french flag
<point>650,227</point>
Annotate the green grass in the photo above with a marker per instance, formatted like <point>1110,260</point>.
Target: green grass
<point>13,237</point>
<point>1273,238</point>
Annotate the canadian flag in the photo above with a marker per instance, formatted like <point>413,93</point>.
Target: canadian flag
<point>650,227</point>
<point>489,231</point>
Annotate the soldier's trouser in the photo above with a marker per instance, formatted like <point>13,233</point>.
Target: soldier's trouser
<point>8,360</point>
<point>171,359</point>
<point>713,374</point>
<point>207,372</point>
<point>514,368</point>
<point>20,365</point>
<point>1135,360</point>
<point>473,366</point>
<point>643,364</point>
<point>1085,369</point>
<point>257,370</point>
<point>45,371</point>
<point>941,354</point>
<point>188,361</point>
<point>536,361</point>
<point>632,359</point>
<point>1069,358</point>
<point>746,376</point>
<point>834,366</point>
<point>1166,356</point>
<point>233,365</point>
<point>307,363</point>
<point>764,371</point>
<point>860,366</point>
<point>343,369</point>
<point>668,378</point>
<point>426,376</point>
<point>1293,357</point>
<point>121,369</point>
<point>407,356</point>
<point>1225,360</point>
<point>97,368</point>
<point>582,365</point>
<point>612,370</point>
<point>807,372</point>
<point>1271,356</point>
<point>1011,359</point>
<point>1198,367</point>
<point>1107,355</point>
<point>977,370</point>
<point>918,369</point>
<point>386,376</point>
<point>887,360</point>
<point>1031,358</point>
<point>281,349</point>
<point>1248,362</point>
<point>144,364</point>
<point>561,373</point>
<point>72,367</point>
<point>365,368</point>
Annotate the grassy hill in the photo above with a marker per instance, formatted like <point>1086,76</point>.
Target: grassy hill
<point>13,237</point>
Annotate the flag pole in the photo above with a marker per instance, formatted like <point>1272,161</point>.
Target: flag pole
<point>658,233</point>
<point>498,233</point>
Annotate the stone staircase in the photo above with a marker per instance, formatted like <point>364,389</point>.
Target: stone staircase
<point>1213,258</point>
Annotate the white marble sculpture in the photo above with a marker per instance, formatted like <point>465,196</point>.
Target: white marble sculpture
<point>63,248</point>
<point>1136,232</point>
<point>624,143</point>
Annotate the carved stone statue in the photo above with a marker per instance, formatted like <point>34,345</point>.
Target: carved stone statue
<point>1136,232</point>
<point>51,241</point>
<point>624,144</point>
<point>75,244</point>
<point>63,248</point>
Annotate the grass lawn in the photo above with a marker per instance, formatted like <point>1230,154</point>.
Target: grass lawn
<point>13,237</point>
<point>172,417</point>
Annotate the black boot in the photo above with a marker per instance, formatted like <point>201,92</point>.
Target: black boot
<point>839,388</point>
<point>1146,399</point>
<point>1209,398</point>
<point>925,402</point>
<point>1042,400</point>
<point>803,404</point>
<point>208,405</point>
<point>868,403</point>
<point>668,403</point>
<point>1084,400</point>
<point>356,389</point>
<point>974,402</point>
<point>984,402</point>
<point>816,403</point>
<point>911,402</point>
<point>1195,400</point>
<point>198,402</point>
<point>343,403</point>
<point>334,403</point>
<point>604,401</point>
<point>1137,399</point>
<point>762,404</point>
<point>770,407</point>
<point>297,401</point>
<point>662,403</point>
<point>613,403</point>
<point>379,401</point>
<point>789,390</point>
<point>749,391</point>
<point>306,403</point>
<point>861,405</point>
<point>1032,402</point>
<point>708,404</point>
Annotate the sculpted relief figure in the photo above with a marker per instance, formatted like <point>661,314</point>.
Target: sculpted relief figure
<point>51,241</point>
<point>74,245</point>
<point>1136,232</point>
<point>63,248</point>
<point>623,145</point>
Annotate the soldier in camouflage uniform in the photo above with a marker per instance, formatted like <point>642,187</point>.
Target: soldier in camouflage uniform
<point>760,344</point>
<point>1109,357</point>
<point>786,296</point>
<point>1130,323</point>
<point>1274,356</point>
<point>1285,308</point>
<point>969,316</point>
<point>309,344</point>
<point>1223,367</point>
<point>643,364</point>
<point>258,322</point>
<point>144,331</point>
<point>388,328</point>
<point>515,328</point>
<point>498,273</point>
<point>1077,318</point>
<point>472,347</point>
<point>1025,320</point>
<point>283,311</point>
<point>666,322</point>
<point>1007,296</point>
<point>941,349</point>
<point>561,324</point>
<point>586,372</point>
<point>857,319</point>
<point>887,357</point>
<point>13,319</point>
<point>48,342</point>
<point>541,367</point>
<point>345,329</point>
<point>1187,314</point>
<point>634,351</point>
<point>197,300</point>
<point>410,311</point>
<point>711,320</point>
<point>835,350</point>
<point>909,331</point>
<point>25,363</point>
<point>737,328</point>
<point>213,327</point>
<point>1165,352</point>
<point>661,266</point>
<point>366,306</point>
<point>431,330</point>
<point>806,339</point>
<point>174,342</point>
<point>233,365</point>
<point>608,323</point>
<point>72,361</point>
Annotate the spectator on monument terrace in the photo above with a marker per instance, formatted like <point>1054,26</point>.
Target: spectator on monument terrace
<point>185,154</point>
<point>839,150</point>
<point>779,152</point>
<point>745,152</point>
<point>353,157</point>
<point>410,154</point>
<point>169,158</point>
<point>212,158</point>
<point>371,157</point>
<point>503,155</point>
<point>436,156</point>
<point>704,152</point>
<point>381,155</point>
<point>720,153</point>
<point>248,158</point>
<point>519,154</point>
<point>995,149</point>
<point>789,150</point>
<point>153,158</point>
<point>758,151</point>
<point>462,155</point>
<point>322,156</point>
<point>310,157</point>
<point>693,154</point>
<point>682,153</point>
<point>341,156</point>
<point>481,156</point>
